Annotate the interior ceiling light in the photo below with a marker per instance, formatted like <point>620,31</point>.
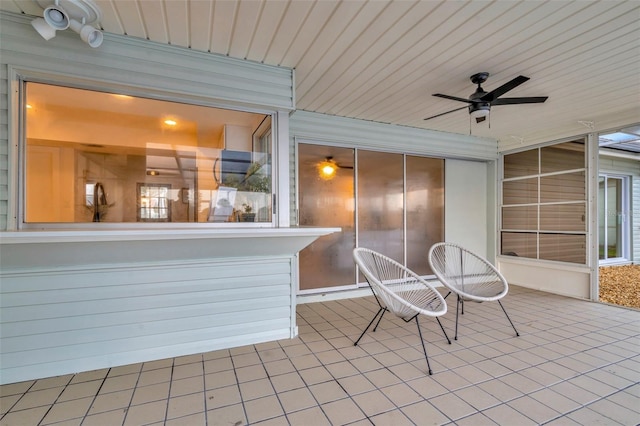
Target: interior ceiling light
<point>170,122</point>
<point>58,15</point>
<point>327,168</point>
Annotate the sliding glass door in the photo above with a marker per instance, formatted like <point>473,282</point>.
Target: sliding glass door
<point>613,224</point>
<point>326,198</point>
<point>389,202</point>
<point>380,203</point>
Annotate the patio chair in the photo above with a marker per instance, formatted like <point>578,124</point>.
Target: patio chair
<point>399,290</point>
<point>469,276</point>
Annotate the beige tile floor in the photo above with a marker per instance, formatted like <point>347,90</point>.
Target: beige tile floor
<point>575,363</point>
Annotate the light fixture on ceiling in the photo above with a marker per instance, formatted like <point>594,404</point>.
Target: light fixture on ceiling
<point>46,32</point>
<point>327,168</point>
<point>58,15</point>
<point>153,173</point>
<point>479,111</point>
<point>170,122</point>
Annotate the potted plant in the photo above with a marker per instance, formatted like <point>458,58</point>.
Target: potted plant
<point>247,214</point>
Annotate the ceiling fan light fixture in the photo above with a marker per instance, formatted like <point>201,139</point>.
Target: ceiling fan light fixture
<point>327,168</point>
<point>479,111</point>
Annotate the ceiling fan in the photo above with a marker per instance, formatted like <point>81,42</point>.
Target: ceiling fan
<point>480,102</point>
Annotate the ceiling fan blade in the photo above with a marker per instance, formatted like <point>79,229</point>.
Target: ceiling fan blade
<point>494,94</point>
<point>514,101</point>
<point>481,119</point>
<point>453,98</point>
<point>453,110</point>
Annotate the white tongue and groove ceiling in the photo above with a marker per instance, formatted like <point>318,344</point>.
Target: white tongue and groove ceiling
<point>382,60</point>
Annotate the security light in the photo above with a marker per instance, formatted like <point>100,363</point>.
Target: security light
<point>58,15</point>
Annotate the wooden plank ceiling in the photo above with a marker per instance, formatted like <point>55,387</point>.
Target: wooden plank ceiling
<point>382,60</point>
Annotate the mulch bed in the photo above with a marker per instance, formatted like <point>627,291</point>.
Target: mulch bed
<point>620,285</point>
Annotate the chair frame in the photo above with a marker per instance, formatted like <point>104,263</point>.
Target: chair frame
<point>381,292</point>
<point>492,276</point>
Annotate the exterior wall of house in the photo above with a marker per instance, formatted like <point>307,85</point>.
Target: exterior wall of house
<point>568,279</point>
<point>468,161</point>
<point>628,167</point>
<point>75,300</point>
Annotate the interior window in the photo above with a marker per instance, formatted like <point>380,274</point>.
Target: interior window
<point>153,202</point>
<point>102,157</point>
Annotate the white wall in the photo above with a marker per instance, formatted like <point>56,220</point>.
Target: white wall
<point>466,195</point>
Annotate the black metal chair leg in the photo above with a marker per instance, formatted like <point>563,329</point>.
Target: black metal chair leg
<point>511,322</point>
<point>380,319</point>
<point>423,346</point>
<point>445,333</point>
<point>457,307</point>
<point>374,318</point>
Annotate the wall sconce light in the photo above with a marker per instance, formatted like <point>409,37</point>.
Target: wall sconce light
<point>59,15</point>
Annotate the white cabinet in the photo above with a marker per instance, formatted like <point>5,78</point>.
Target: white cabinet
<point>236,138</point>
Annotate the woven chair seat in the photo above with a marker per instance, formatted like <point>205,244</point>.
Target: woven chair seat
<point>469,276</point>
<point>399,290</point>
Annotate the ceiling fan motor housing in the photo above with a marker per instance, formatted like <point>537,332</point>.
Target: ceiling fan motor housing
<point>479,108</point>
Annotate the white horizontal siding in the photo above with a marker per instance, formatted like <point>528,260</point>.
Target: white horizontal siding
<point>66,320</point>
<point>144,64</point>
<point>387,137</point>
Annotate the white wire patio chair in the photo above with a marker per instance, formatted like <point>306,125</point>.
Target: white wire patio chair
<point>399,290</point>
<point>469,276</point>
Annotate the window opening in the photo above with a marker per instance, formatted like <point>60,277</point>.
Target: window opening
<point>150,160</point>
<point>544,203</point>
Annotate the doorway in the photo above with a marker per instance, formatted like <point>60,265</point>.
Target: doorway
<point>392,203</point>
<point>613,220</point>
